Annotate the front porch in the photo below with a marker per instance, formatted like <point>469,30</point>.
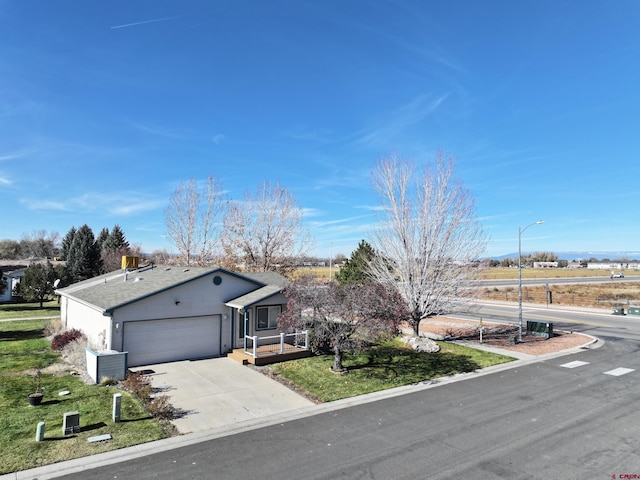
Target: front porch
<point>278,348</point>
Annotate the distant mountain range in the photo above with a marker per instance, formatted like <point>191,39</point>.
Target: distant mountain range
<point>613,255</point>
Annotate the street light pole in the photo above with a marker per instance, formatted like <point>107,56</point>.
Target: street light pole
<point>520,232</point>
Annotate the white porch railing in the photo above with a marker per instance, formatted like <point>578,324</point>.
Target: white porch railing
<point>276,344</point>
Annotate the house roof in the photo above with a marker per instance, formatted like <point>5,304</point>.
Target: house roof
<point>116,289</point>
<point>251,298</point>
<point>267,278</point>
<point>13,270</point>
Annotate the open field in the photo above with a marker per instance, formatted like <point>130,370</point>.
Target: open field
<point>506,273</point>
<point>497,273</point>
<point>598,295</point>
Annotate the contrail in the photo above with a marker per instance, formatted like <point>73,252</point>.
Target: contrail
<point>143,22</point>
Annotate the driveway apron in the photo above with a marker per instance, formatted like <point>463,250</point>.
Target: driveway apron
<point>219,392</point>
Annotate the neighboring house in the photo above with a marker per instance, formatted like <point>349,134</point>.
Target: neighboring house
<point>13,275</point>
<point>545,264</point>
<point>159,314</point>
<point>614,266</point>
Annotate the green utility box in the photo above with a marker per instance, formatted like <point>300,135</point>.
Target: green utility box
<point>633,311</point>
<point>540,329</point>
<point>618,310</point>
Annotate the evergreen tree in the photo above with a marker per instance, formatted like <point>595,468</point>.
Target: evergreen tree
<point>355,268</point>
<point>66,243</point>
<point>83,258</point>
<point>116,240</point>
<point>102,238</point>
<point>113,249</point>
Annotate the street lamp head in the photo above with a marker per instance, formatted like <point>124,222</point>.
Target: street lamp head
<point>540,221</point>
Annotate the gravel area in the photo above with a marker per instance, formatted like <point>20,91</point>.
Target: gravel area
<point>500,335</point>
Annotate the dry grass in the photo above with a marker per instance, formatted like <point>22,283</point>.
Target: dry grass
<point>499,273</point>
<point>602,295</point>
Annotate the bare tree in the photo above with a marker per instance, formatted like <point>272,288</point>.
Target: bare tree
<point>40,243</point>
<point>194,219</point>
<point>342,318</point>
<point>160,257</point>
<point>265,231</point>
<point>427,237</point>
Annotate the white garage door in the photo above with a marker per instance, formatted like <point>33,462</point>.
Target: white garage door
<point>159,341</point>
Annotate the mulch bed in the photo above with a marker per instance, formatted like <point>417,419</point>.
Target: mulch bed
<point>502,336</point>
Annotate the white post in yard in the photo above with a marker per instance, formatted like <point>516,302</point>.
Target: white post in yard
<point>117,406</point>
<point>40,432</point>
<point>282,343</point>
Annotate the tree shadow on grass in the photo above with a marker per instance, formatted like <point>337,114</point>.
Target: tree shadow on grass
<point>66,437</point>
<point>21,307</point>
<point>94,426</point>
<point>11,335</point>
<point>128,420</point>
<point>388,364</point>
<point>86,428</point>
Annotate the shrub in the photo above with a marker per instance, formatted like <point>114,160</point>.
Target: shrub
<point>160,407</point>
<point>63,339</point>
<point>139,385</point>
<point>74,353</point>
<point>53,327</point>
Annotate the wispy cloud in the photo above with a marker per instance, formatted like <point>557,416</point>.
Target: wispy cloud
<point>137,207</point>
<point>143,22</point>
<point>218,138</point>
<point>350,221</point>
<point>311,212</point>
<point>114,203</point>
<point>158,131</point>
<point>405,116</point>
<point>39,204</point>
<point>13,156</point>
<point>5,181</point>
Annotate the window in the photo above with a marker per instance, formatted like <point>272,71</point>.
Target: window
<point>267,317</point>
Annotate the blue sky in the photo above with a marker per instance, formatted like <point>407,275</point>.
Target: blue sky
<point>106,106</point>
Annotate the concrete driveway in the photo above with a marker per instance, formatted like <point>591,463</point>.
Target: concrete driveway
<point>219,392</point>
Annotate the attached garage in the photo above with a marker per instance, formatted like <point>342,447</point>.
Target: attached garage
<point>159,341</point>
<point>165,313</point>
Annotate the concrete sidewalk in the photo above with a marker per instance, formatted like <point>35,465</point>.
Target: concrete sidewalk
<point>216,392</point>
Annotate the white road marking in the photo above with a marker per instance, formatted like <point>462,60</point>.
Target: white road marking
<point>574,364</point>
<point>616,372</point>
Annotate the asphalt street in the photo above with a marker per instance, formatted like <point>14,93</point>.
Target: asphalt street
<point>566,417</point>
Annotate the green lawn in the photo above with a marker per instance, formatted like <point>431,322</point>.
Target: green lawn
<point>29,310</point>
<point>388,366</point>
<point>23,348</point>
